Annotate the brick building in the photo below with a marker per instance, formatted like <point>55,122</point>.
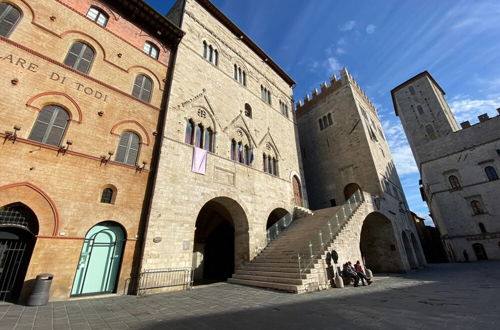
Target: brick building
<point>83,84</point>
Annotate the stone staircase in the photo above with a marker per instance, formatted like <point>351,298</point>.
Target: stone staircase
<point>277,266</point>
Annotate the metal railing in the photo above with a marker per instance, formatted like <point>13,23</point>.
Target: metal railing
<point>278,227</point>
<point>166,277</point>
<point>323,238</point>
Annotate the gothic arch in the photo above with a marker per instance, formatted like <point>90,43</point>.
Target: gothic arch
<point>37,200</point>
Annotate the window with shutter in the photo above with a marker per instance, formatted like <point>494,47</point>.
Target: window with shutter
<point>128,148</point>
<point>50,125</point>
<point>9,17</point>
<point>143,86</point>
<point>80,57</point>
<point>151,50</point>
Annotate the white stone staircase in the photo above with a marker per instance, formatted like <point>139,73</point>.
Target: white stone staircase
<point>277,266</point>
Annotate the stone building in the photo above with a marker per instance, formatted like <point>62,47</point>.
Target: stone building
<point>83,84</point>
<point>344,150</point>
<point>430,239</point>
<point>229,164</point>
<point>459,168</point>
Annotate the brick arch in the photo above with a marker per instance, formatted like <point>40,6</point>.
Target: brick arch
<point>37,102</point>
<point>139,69</point>
<point>21,8</point>
<point>104,8</point>
<point>134,126</point>
<point>37,200</point>
<point>88,39</point>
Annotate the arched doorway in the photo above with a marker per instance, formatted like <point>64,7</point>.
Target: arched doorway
<point>297,191</point>
<point>479,251</point>
<point>409,252</point>
<point>100,260</point>
<point>378,245</point>
<point>221,240</point>
<point>276,215</point>
<point>350,189</point>
<point>18,230</point>
<point>418,251</point>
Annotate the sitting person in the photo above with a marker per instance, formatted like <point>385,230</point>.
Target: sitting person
<point>361,273</point>
<point>350,273</point>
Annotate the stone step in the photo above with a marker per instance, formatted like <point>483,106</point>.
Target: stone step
<point>270,274</point>
<point>270,285</point>
<point>273,279</point>
<point>257,267</point>
<point>274,264</point>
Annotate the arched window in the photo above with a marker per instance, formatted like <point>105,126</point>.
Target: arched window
<point>208,140</point>
<point>210,53</point>
<point>107,196</point>
<point>491,173</point>
<point>330,121</point>
<point>205,49</point>
<point>9,17</point>
<point>482,228</point>
<point>244,78</point>
<point>143,86</point>
<point>429,129</point>
<point>320,124</point>
<point>420,109</point>
<point>151,49</point>
<point>50,125</point>
<point>477,208</point>
<point>128,148</point>
<point>188,138</point>
<point>247,155</point>
<point>198,136</point>
<point>97,15</point>
<point>235,72</point>
<point>412,90</point>
<point>216,58</point>
<point>248,110</point>
<point>234,150</point>
<point>454,182</point>
<point>80,57</point>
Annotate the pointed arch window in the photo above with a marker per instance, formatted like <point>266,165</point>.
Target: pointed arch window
<point>270,164</point>
<point>188,138</point>
<point>50,125</point>
<point>321,124</point>
<point>491,173</point>
<point>198,136</point>
<point>97,15</point>
<point>9,17</point>
<point>128,148</point>
<point>143,86</point>
<point>80,57</point>
<point>454,182</point>
<point>151,49</point>
<point>208,140</point>
<point>210,53</point>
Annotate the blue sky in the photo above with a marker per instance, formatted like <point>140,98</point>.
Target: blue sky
<point>382,44</point>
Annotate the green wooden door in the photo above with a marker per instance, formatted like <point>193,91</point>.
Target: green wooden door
<point>100,260</point>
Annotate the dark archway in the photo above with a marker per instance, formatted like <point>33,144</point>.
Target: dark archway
<point>409,253</point>
<point>479,251</point>
<point>18,230</point>
<point>221,241</point>
<point>297,191</point>
<point>275,216</point>
<point>418,251</point>
<point>350,189</point>
<point>378,245</point>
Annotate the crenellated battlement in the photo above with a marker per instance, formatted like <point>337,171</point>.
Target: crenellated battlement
<point>326,89</point>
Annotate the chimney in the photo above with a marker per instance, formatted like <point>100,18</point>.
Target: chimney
<point>484,117</point>
<point>465,124</point>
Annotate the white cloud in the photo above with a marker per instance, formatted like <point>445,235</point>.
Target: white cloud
<point>348,26</point>
<point>340,51</point>
<point>400,149</point>
<point>341,42</point>
<point>466,108</point>
<point>333,65</point>
<point>370,28</point>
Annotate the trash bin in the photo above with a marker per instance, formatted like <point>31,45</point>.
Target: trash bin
<point>40,294</point>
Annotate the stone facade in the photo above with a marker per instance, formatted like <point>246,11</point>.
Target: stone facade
<point>459,168</point>
<point>62,182</point>
<point>344,149</point>
<point>222,83</point>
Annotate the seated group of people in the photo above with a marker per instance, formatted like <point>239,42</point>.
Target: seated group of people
<point>355,273</point>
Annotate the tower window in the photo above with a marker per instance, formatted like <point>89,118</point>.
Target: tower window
<point>491,173</point>
<point>98,16</point>
<point>265,94</point>
<point>429,129</point>
<point>284,108</point>
<point>240,75</point>
<point>151,49</point>
<point>477,208</point>
<point>248,110</point>
<point>210,53</point>
<point>412,90</point>
<point>420,109</point>
<point>9,17</point>
<point>482,228</point>
<point>454,182</point>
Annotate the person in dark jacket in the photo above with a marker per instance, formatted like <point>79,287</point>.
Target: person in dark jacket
<point>361,273</point>
<point>351,273</point>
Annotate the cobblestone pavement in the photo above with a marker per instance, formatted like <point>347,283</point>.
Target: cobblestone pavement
<point>443,296</point>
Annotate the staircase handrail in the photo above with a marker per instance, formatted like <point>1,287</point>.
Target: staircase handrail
<point>280,225</point>
<point>319,241</point>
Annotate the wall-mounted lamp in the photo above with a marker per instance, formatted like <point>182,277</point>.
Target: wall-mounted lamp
<point>104,159</point>
<point>12,135</point>
<point>140,168</point>
<point>63,149</point>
